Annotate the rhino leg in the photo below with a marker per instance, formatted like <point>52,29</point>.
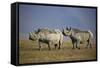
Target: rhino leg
<point>73,45</point>
<point>49,45</point>
<point>78,44</point>
<point>39,45</point>
<point>89,43</point>
<point>59,44</point>
<point>55,46</point>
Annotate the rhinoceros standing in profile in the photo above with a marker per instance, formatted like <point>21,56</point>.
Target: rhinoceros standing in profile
<point>78,36</point>
<point>50,37</point>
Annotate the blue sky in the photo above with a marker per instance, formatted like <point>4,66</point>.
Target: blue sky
<point>32,17</point>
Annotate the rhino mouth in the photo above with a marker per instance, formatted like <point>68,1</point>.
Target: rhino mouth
<point>30,38</point>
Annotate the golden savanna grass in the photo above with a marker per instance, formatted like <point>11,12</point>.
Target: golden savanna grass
<point>29,53</point>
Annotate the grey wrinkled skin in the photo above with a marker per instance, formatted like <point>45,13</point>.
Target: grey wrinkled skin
<point>78,37</point>
<point>50,37</point>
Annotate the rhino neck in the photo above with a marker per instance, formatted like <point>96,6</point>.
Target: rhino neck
<point>73,38</point>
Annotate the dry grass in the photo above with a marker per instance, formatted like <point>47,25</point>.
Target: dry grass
<point>29,53</point>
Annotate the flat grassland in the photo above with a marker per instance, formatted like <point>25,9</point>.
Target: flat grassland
<point>29,53</point>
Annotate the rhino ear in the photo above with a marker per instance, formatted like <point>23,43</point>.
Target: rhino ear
<point>62,28</point>
<point>30,33</point>
<point>35,31</point>
<point>66,28</point>
<point>69,28</point>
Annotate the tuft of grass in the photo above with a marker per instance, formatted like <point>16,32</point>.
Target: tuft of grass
<point>29,53</point>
